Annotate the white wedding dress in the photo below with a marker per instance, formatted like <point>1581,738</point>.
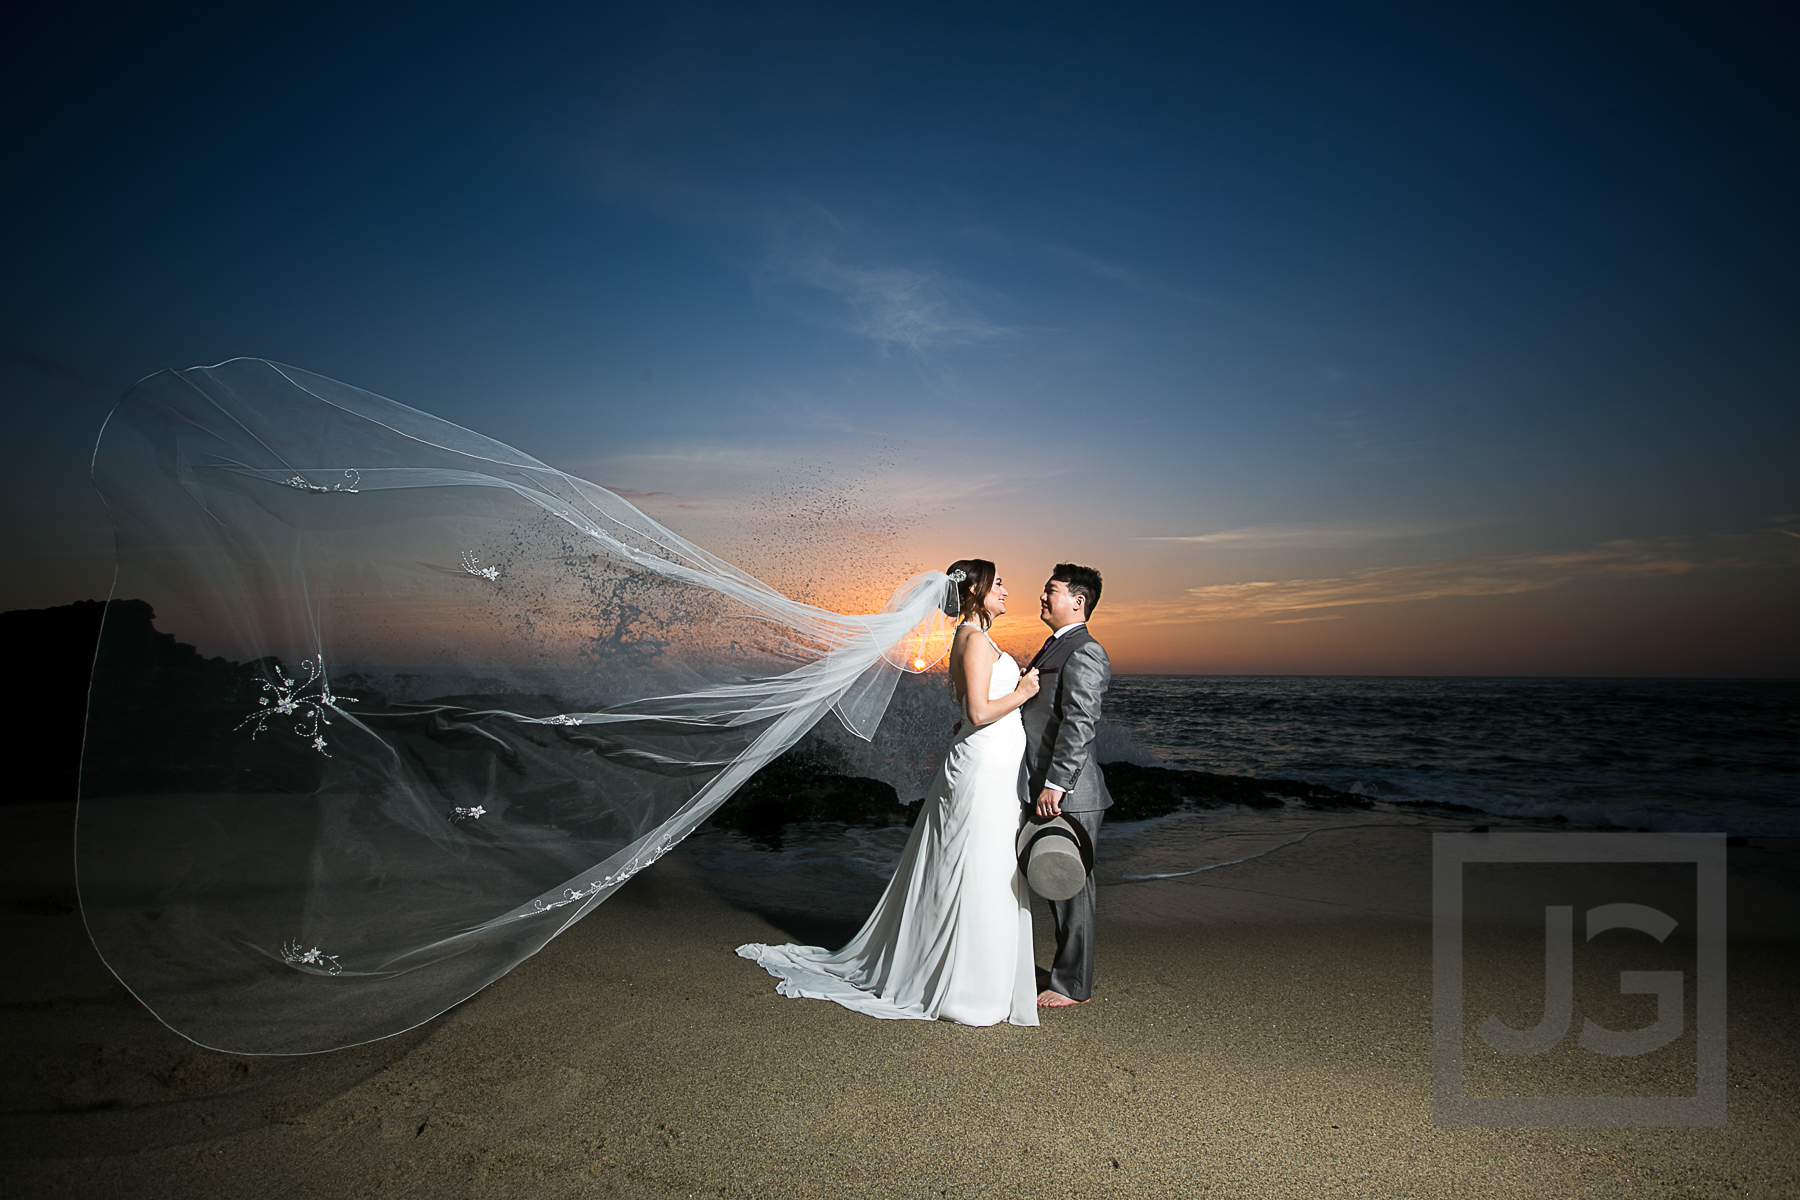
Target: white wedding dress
<point>951,937</point>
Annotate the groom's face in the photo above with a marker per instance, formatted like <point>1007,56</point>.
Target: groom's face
<point>1057,607</point>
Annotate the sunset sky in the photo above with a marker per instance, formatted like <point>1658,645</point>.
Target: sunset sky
<point>1342,339</point>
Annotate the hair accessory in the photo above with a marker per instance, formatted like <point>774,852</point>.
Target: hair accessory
<point>958,576</point>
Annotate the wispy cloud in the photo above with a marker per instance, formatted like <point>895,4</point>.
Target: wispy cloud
<point>1114,273</point>
<point>1485,575</point>
<point>1357,434</point>
<point>826,267</point>
<point>893,306</point>
<point>1304,537</point>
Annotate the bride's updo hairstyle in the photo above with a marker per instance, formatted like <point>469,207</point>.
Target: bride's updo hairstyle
<point>971,593</point>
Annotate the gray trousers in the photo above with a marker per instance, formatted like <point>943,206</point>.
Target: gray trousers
<point>1072,972</point>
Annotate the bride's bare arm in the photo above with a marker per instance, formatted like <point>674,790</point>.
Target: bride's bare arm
<point>972,659</point>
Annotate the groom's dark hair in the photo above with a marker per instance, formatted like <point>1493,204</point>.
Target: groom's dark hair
<point>1079,581</point>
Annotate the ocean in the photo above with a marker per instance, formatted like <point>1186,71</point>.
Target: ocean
<point>1675,755</point>
<point>1678,755</point>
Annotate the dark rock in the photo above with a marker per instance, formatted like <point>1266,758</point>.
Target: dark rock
<point>42,906</point>
<point>168,719</point>
<point>806,787</point>
<point>161,718</point>
<point>1442,806</point>
<point>1140,793</point>
<point>808,784</point>
<point>51,653</point>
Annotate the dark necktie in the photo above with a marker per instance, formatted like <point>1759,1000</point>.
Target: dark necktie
<point>1042,650</point>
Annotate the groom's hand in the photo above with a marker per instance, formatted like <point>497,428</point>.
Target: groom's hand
<point>1049,804</point>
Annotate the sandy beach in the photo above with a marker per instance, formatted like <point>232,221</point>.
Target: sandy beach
<point>1259,1031</point>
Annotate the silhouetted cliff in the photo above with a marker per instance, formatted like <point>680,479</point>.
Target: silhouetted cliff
<point>51,655</point>
<point>167,719</point>
<point>161,716</point>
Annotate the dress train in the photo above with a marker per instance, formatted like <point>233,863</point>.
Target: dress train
<point>951,935</point>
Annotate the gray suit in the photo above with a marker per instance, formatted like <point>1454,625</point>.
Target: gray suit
<point>1073,672</point>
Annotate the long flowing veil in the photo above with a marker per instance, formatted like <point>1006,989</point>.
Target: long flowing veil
<point>381,705</point>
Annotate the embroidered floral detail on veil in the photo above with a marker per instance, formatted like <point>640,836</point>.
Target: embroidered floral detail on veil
<point>471,564</point>
<point>353,478</point>
<point>308,698</point>
<point>294,956</point>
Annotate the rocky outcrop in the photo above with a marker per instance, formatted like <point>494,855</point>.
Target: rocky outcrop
<point>1140,793</point>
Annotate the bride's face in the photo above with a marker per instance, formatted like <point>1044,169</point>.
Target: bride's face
<point>995,604</point>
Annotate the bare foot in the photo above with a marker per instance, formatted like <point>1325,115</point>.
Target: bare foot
<point>1049,998</point>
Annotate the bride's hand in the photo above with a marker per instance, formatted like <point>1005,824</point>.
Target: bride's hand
<point>1028,683</point>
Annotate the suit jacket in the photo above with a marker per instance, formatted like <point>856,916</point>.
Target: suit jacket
<point>1059,722</point>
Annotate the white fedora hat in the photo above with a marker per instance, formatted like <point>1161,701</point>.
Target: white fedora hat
<point>1055,856</point>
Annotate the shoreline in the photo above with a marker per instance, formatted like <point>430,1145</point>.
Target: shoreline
<point>1256,1040</point>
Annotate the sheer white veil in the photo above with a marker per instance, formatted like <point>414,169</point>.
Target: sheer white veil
<point>401,703</point>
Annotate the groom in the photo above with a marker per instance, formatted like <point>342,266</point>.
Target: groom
<point>1059,760</point>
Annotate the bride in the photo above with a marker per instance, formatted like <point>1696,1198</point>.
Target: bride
<point>951,936</point>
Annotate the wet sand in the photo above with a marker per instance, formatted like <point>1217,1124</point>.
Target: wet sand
<point>1261,1030</point>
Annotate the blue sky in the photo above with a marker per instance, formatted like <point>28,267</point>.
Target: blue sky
<point>1342,338</point>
